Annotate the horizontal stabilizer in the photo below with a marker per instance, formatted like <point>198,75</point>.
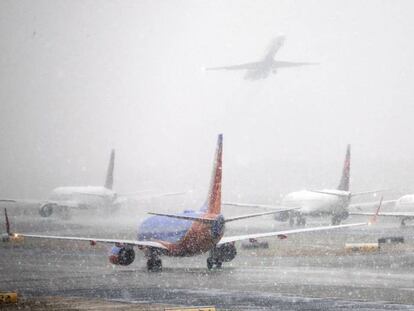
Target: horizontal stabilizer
<point>258,214</point>
<point>253,205</point>
<point>204,219</point>
<point>185,217</point>
<point>341,194</point>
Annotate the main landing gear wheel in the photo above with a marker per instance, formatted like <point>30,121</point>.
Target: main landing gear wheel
<point>154,265</point>
<point>301,221</point>
<point>211,262</point>
<point>335,221</point>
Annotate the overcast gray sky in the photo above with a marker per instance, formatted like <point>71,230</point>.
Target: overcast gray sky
<point>80,77</point>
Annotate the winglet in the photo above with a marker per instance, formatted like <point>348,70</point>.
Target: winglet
<point>7,222</point>
<point>214,194</point>
<point>373,219</point>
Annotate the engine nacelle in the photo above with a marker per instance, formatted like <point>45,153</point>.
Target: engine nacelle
<point>122,255</point>
<point>46,209</point>
<point>284,216</point>
<point>224,253</point>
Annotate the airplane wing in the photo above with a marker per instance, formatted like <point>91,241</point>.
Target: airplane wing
<point>285,233</point>
<point>92,240</point>
<point>361,206</point>
<point>406,215</point>
<point>282,64</point>
<point>25,201</point>
<point>72,238</point>
<point>251,65</point>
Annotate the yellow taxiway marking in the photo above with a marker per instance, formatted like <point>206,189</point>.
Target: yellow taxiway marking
<point>191,309</point>
<point>8,298</point>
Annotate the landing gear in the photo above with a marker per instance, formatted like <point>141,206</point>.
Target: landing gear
<point>300,220</point>
<point>211,262</point>
<point>335,220</point>
<point>291,220</point>
<point>154,264</point>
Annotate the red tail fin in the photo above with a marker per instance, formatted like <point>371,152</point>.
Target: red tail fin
<point>344,183</point>
<point>214,194</point>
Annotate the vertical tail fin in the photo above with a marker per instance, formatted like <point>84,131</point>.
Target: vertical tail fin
<point>214,194</point>
<point>7,222</point>
<point>109,181</point>
<point>344,183</point>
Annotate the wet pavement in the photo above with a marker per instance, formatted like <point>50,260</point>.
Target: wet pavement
<point>307,271</point>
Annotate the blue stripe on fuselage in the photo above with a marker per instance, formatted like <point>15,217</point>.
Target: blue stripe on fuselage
<point>165,228</point>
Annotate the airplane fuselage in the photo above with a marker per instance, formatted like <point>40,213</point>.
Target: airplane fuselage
<point>316,204</point>
<point>404,204</point>
<point>261,71</point>
<point>183,237</point>
<point>89,197</point>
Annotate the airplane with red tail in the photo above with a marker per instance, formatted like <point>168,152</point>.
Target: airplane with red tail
<point>184,234</point>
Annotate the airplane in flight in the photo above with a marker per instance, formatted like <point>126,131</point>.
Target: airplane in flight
<point>184,234</point>
<point>316,203</point>
<point>263,68</point>
<point>63,200</point>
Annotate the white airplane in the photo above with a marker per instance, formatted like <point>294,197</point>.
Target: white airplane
<point>267,65</point>
<point>63,200</point>
<point>185,234</point>
<point>402,209</point>
<point>316,203</point>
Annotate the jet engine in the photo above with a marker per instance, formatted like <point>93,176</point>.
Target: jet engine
<point>224,253</point>
<point>122,255</point>
<point>46,209</point>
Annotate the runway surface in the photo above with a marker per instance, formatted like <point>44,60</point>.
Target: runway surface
<point>306,271</point>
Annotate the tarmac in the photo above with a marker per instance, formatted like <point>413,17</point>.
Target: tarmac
<point>309,271</point>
